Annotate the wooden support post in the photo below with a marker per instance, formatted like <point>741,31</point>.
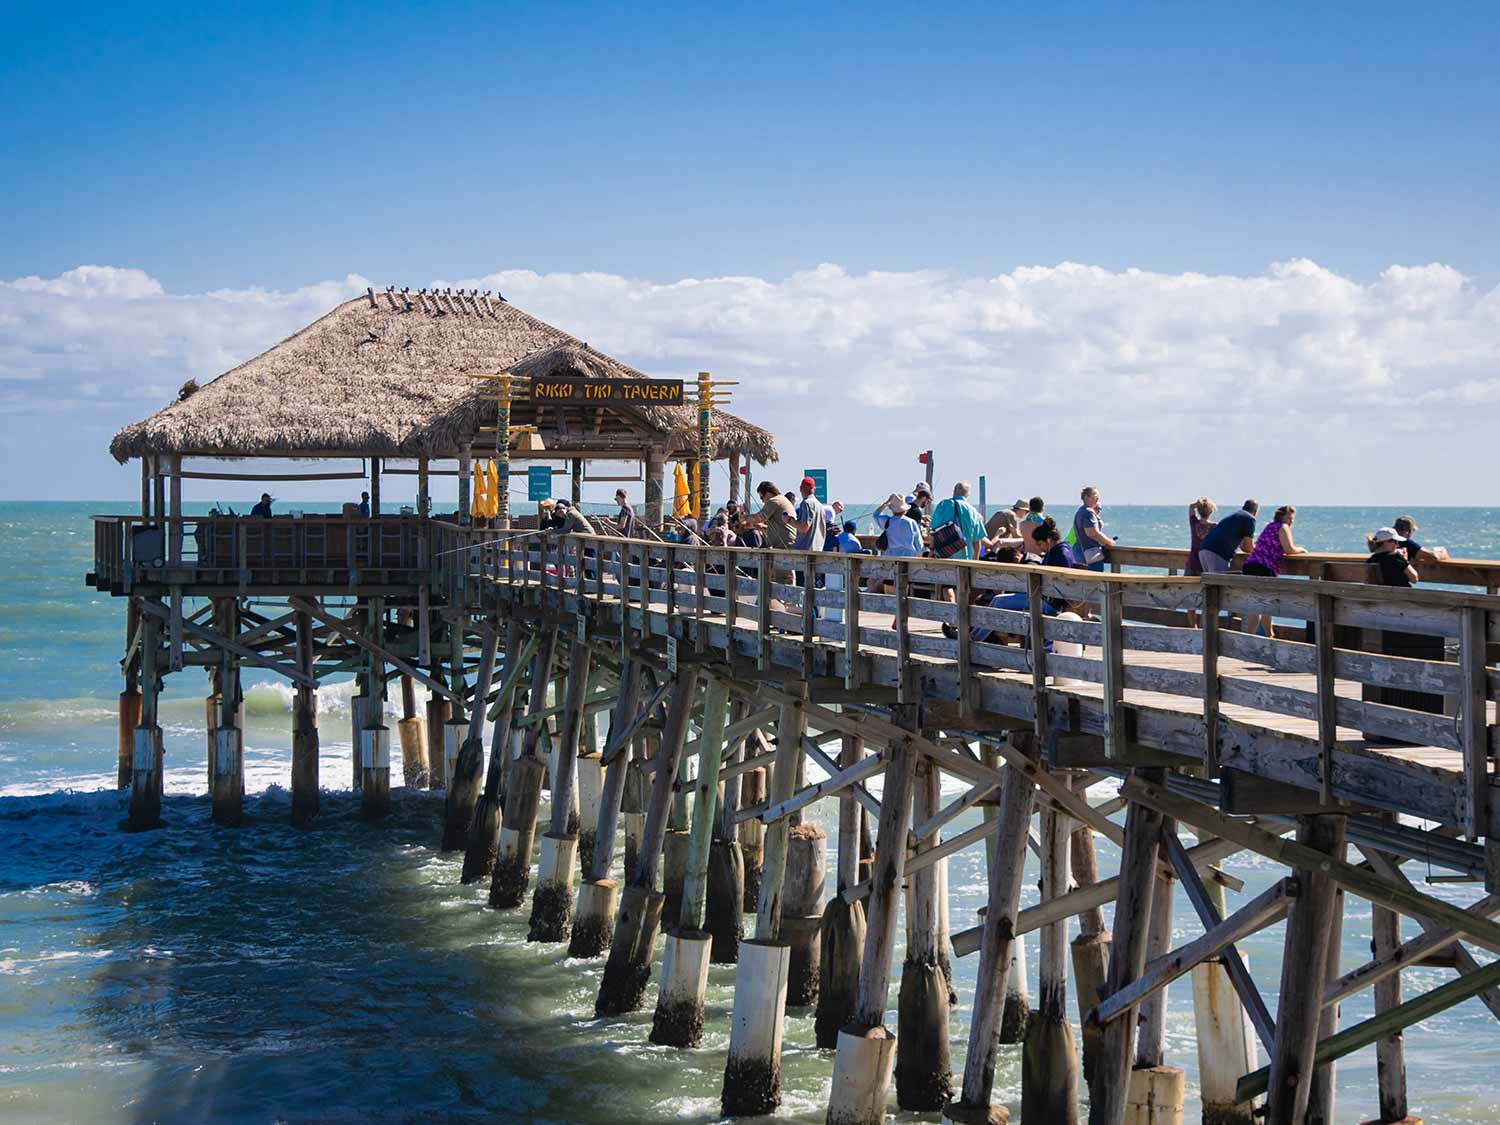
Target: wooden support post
<point>1090,950</point>
<point>146,755</point>
<point>458,813</point>
<point>1474,721</point>
<point>424,497</point>
<point>629,964</point>
<point>866,1048</point>
<point>465,474</point>
<point>1320,1099</point>
<point>1156,1089</point>
<point>655,463</point>
<point>1226,1038</point>
<point>1303,975</point>
<point>1390,1051</point>
<point>413,742</point>
<point>174,528</point>
<point>598,894</point>
<point>842,930</point>
<point>678,1021</point>
<point>438,714</point>
<point>375,739</point>
<point>523,791</point>
<point>1127,957</point>
<point>1210,613</point>
<point>1113,657</point>
<point>1049,1064</point>
<point>305,800</point>
<point>752,1075</point>
<point>228,797</point>
<point>924,1071</point>
<point>130,698</point>
<point>551,905</point>
<point>1017,794</point>
<point>375,487</point>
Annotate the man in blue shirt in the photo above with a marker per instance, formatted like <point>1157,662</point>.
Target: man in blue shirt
<point>1232,533</point>
<point>263,509</point>
<point>848,542</point>
<point>364,504</point>
<point>958,511</point>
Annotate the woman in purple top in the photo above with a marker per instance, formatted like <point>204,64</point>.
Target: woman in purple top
<point>1274,544</point>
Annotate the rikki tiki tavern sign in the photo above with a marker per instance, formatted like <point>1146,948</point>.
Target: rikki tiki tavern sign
<point>652,392</point>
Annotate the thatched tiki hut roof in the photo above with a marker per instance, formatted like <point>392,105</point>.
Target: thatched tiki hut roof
<point>387,375</point>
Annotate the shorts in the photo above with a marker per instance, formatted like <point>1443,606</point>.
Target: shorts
<point>1258,570</point>
<point>1213,563</point>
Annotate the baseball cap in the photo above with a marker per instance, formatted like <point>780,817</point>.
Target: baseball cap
<point>808,482</point>
<point>1383,534</point>
<point>922,486</point>
<point>909,499</point>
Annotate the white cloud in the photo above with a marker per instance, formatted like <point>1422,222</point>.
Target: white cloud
<point>1166,384</point>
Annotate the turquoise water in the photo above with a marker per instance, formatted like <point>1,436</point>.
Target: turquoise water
<point>343,974</point>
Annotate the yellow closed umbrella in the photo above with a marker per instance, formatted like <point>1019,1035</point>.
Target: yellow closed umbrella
<point>477,505</point>
<point>681,502</point>
<point>492,492</point>
<point>697,495</point>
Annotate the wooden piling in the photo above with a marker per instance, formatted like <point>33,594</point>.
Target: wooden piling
<point>228,795</point>
<point>1390,1051</point>
<point>523,791</point>
<point>1320,1098</point>
<point>752,835</point>
<point>305,747</point>
<point>752,1074</point>
<point>1016,797</point>
<point>598,894</point>
<point>1132,924</point>
<point>924,1071</point>
<point>483,843</point>
<point>1303,976</point>
<point>463,782</point>
<point>1226,1038</point>
<point>438,714</point>
<point>413,742</point>
<point>1090,950</point>
<point>1156,1089</point>
<point>842,936</point>
<point>146,753</point>
<point>678,1021</point>
<point>375,741</point>
<point>1049,1067</point>
<point>552,902</point>
<point>629,965</point>
<point>866,1048</point>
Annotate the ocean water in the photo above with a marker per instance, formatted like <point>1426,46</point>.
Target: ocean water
<point>343,974</point>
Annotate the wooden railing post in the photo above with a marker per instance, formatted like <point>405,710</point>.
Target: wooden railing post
<point>1474,715</point>
<point>963,601</point>
<point>763,609</point>
<point>1210,623</point>
<point>903,633</point>
<point>854,674</point>
<point>700,606</point>
<point>1114,671</point>
<point>1036,605</point>
<point>1323,627</point>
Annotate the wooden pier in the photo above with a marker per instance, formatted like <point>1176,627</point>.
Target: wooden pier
<point>706,655</point>
<point>740,687</point>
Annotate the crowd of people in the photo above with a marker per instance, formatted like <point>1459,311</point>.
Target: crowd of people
<point>911,525</point>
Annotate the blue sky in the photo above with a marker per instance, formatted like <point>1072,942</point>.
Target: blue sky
<point>232,145</point>
<point>1285,210</point>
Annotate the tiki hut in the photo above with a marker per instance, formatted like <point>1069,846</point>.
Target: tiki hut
<point>387,376</point>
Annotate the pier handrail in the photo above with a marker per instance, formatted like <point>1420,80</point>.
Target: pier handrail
<point>1315,713</point>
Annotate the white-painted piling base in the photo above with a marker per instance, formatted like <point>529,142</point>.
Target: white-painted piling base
<point>1226,1045</point>
<point>590,790</point>
<point>862,1070</point>
<point>752,1076</point>
<point>684,983</point>
<point>1155,1096</point>
<point>146,778</point>
<point>375,771</point>
<point>594,918</point>
<point>552,902</point>
<point>454,735</point>
<point>1017,998</point>
<point>228,795</point>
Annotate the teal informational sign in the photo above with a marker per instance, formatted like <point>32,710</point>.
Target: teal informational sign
<point>820,481</point>
<point>539,482</point>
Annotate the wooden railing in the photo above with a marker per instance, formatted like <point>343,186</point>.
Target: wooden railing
<point>1342,713</point>
<point>245,550</point>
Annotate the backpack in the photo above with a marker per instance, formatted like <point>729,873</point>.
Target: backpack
<point>949,540</point>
